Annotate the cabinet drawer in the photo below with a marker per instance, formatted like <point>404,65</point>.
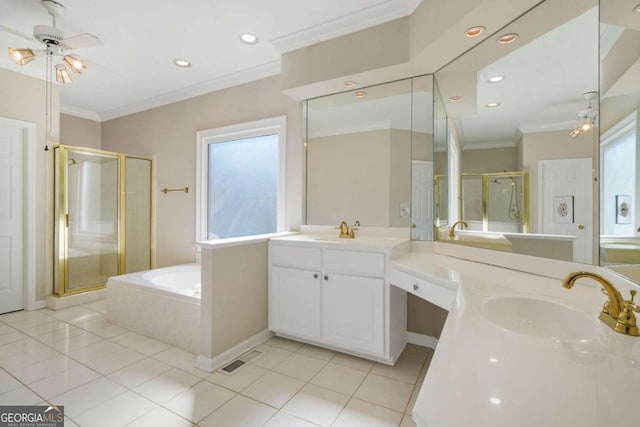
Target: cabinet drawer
<point>296,256</point>
<point>365,263</point>
<point>436,294</point>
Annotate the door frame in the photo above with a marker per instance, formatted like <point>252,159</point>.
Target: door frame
<point>29,211</point>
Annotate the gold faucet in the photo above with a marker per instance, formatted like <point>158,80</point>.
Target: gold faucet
<point>452,229</point>
<point>345,231</point>
<point>617,312</point>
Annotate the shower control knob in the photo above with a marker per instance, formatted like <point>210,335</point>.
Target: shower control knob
<point>415,287</point>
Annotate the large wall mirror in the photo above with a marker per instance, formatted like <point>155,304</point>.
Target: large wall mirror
<point>370,157</point>
<point>521,108</point>
<point>619,152</point>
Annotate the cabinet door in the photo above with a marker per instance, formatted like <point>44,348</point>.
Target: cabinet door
<point>353,312</point>
<point>295,301</point>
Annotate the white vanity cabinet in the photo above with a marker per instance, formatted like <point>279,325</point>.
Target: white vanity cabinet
<point>335,296</point>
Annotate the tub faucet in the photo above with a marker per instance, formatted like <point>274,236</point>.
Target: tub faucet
<point>452,229</point>
<point>617,313</point>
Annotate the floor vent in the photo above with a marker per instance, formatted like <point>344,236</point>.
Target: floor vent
<point>236,364</point>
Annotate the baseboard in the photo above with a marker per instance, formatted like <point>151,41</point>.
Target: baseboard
<point>211,364</point>
<point>423,340</point>
<point>59,303</point>
<point>36,305</point>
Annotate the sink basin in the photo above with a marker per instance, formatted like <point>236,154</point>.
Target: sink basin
<point>539,317</point>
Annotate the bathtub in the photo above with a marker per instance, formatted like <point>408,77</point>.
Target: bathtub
<point>163,304</point>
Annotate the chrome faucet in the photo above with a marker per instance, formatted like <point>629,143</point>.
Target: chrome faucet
<point>617,313</point>
<point>452,229</point>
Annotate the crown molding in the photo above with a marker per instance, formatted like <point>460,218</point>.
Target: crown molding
<point>488,145</point>
<point>551,127</point>
<point>243,76</point>
<point>350,129</point>
<point>82,113</point>
<point>351,23</point>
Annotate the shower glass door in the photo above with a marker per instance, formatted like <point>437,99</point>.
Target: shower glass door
<point>87,231</point>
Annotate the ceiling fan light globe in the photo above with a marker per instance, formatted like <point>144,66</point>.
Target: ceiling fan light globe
<point>62,75</point>
<point>21,56</point>
<point>586,127</point>
<point>76,64</point>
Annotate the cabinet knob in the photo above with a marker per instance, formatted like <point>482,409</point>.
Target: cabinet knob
<point>581,227</point>
<point>326,277</point>
<point>415,287</point>
<point>315,276</point>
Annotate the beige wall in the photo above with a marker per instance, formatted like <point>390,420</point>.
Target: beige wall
<point>424,317</point>
<point>23,98</point>
<point>489,160</point>
<point>549,146</point>
<point>80,132</point>
<point>400,152</point>
<point>348,179</point>
<point>234,296</point>
<point>169,134</point>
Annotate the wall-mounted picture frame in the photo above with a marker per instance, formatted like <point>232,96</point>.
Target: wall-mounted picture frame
<point>623,209</point>
<point>563,210</point>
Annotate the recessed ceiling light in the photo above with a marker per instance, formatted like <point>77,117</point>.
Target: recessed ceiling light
<point>474,31</point>
<point>350,83</point>
<point>507,38</point>
<point>495,400</point>
<point>360,94</point>
<point>637,8</point>
<point>496,79</point>
<point>493,104</point>
<point>248,38</point>
<point>455,98</point>
<point>182,63</point>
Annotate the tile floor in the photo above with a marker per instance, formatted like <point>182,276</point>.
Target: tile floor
<point>105,375</point>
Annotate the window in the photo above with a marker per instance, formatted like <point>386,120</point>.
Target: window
<point>241,180</point>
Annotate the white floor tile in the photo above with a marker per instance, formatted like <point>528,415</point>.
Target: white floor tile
<point>72,314</point>
<point>416,353</point>
<point>271,356</point>
<point>7,382</point>
<point>353,362</point>
<point>284,343</point>
<point>425,368</point>
<point>108,331</point>
<point>4,328</point>
<point>61,333</point>
<point>114,361</point>
<point>99,306</point>
<point>12,337</point>
<point>181,359</point>
<point>160,417</point>
<point>91,319</point>
<point>316,404</point>
<point>129,339</point>
<point>33,328</point>
<point>167,385</point>
<point>199,401</point>
<point>150,347</point>
<point>19,316</point>
<point>19,396</point>
<point>387,392</point>
<point>339,378</point>
<point>239,412</point>
<point>76,341</point>
<point>359,413</point>
<point>406,370</point>
<point>69,423</point>
<point>316,352</point>
<point>25,353</point>
<point>94,351</point>
<point>301,367</point>
<point>44,369</point>
<point>240,379</point>
<point>63,381</point>
<point>412,400</point>
<point>274,389</point>
<point>87,396</point>
<point>119,411</point>
<point>282,419</point>
<point>139,372</point>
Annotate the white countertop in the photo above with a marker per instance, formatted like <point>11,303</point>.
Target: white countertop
<point>332,240</point>
<point>485,375</point>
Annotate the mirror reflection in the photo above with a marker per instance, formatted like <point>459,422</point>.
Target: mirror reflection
<point>520,136</point>
<point>370,157</point>
<point>619,154</point>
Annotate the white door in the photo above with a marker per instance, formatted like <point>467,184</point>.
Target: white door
<point>565,197</point>
<point>352,312</point>
<point>11,218</point>
<point>295,299</point>
<point>421,200</point>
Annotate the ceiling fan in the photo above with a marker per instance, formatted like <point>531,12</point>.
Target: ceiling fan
<point>56,45</point>
<point>587,117</point>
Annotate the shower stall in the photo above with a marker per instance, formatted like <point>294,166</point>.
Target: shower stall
<point>496,201</point>
<point>102,217</point>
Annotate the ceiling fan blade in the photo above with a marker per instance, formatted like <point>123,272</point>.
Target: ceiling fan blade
<point>80,41</point>
<point>16,33</point>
